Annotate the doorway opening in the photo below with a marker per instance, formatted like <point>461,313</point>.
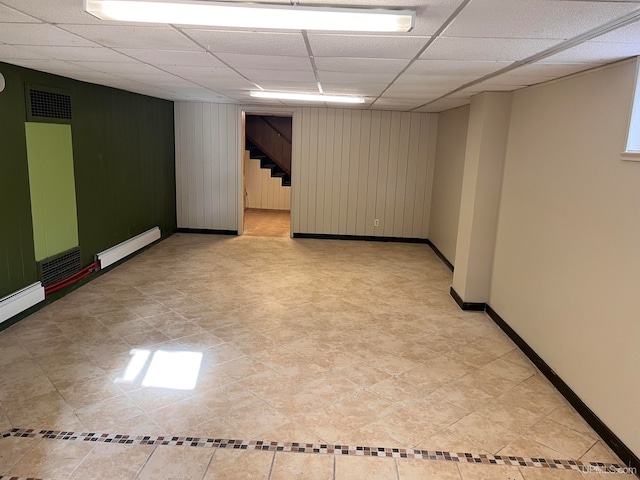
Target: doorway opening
<point>266,175</point>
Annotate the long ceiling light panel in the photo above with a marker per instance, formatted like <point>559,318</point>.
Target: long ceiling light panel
<point>252,15</point>
<point>307,97</point>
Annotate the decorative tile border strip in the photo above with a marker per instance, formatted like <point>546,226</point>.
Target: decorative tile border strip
<point>313,448</point>
<point>19,478</point>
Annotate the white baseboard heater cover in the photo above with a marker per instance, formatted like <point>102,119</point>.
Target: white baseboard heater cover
<point>19,301</point>
<point>112,255</point>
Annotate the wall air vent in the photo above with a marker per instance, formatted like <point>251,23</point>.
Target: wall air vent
<point>59,267</point>
<point>46,104</point>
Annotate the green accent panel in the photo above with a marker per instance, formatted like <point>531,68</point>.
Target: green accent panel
<point>123,161</point>
<point>52,185</point>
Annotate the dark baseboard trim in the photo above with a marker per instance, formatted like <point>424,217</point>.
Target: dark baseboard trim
<point>626,455</point>
<point>49,299</point>
<point>440,255</point>
<point>206,231</point>
<point>473,306</point>
<point>362,238</point>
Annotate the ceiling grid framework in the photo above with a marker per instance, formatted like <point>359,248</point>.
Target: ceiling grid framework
<point>458,48</point>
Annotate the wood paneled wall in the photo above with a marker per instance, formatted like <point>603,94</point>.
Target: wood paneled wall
<point>207,165</point>
<point>352,167</point>
<point>349,168</point>
<point>263,190</point>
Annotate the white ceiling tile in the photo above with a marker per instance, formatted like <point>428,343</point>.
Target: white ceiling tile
<point>519,80</point>
<point>551,70</point>
<point>358,78</point>
<point>484,49</point>
<point>279,75</point>
<point>265,62</point>
<point>118,36</point>
<point>595,52</point>
<point>444,104</point>
<point>423,80</point>
<point>365,46</point>
<point>398,91</point>
<point>167,57</point>
<point>118,68</point>
<point>351,89</point>
<point>454,67</point>
<point>8,52</point>
<point>223,83</point>
<point>194,71</point>
<point>9,15</point>
<point>250,43</point>
<point>628,34</point>
<point>40,34</point>
<point>281,86</point>
<point>92,54</point>
<point>533,18</point>
<point>360,65</point>
<point>160,80</point>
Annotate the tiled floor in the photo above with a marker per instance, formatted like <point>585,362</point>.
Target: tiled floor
<point>267,223</point>
<point>278,340</point>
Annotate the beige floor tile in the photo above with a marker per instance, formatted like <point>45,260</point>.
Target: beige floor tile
<point>288,466</point>
<point>224,400</point>
<point>352,467</point>
<point>526,447</point>
<point>181,416</point>
<point>256,419</point>
<point>113,462</point>
<point>107,413</point>
<point>184,463</point>
<point>154,398</point>
<point>81,394</point>
<point>418,469</point>
<point>32,411</point>
<point>548,474</point>
<point>51,459</point>
<point>13,449</point>
<point>489,472</point>
<point>600,453</point>
<point>563,439</point>
<point>230,464</point>
<point>568,417</point>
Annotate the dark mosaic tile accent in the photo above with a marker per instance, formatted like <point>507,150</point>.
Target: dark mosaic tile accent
<point>313,448</point>
<point>19,478</point>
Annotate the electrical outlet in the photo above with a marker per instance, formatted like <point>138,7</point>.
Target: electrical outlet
<point>376,223</point>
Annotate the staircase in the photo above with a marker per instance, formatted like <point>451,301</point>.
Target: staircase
<point>270,146</point>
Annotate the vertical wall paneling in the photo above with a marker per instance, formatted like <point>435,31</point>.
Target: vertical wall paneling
<point>363,173</point>
<point>320,169</point>
<point>401,178</point>
<point>354,155</point>
<point>207,163</point>
<point>392,174</point>
<point>359,165</point>
<point>296,144</point>
<point>372,179</point>
<point>327,182</point>
<point>431,162</point>
<point>312,167</point>
<point>383,169</point>
<point>337,171</point>
<point>344,172</point>
<point>263,190</point>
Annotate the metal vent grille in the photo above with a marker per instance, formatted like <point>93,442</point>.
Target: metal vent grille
<point>58,268</point>
<point>50,104</point>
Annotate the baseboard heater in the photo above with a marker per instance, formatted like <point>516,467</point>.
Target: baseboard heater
<point>19,301</point>
<point>126,248</point>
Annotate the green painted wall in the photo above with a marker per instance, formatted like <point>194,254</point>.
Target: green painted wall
<point>52,187</point>
<point>123,154</point>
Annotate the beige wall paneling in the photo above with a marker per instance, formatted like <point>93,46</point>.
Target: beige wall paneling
<point>207,165</point>
<point>263,190</point>
<point>566,266</point>
<point>447,186</point>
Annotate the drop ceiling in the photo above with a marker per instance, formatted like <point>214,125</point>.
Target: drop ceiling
<point>457,49</point>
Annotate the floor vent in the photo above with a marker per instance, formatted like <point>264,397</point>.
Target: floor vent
<point>47,104</point>
<point>61,266</point>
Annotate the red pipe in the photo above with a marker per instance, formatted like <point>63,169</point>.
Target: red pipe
<point>76,277</point>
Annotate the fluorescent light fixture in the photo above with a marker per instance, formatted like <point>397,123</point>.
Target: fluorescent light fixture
<point>307,97</point>
<point>247,15</point>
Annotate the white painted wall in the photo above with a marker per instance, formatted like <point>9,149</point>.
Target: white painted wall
<point>263,190</point>
<point>207,165</point>
<point>447,180</point>
<point>351,167</point>
<point>566,271</point>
